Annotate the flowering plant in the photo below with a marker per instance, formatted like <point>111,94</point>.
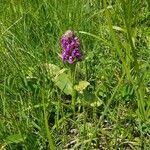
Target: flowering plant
<point>70,46</point>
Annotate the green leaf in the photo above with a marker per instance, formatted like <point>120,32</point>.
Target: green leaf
<point>15,138</point>
<point>60,78</point>
<point>119,29</point>
<point>52,69</point>
<point>63,82</point>
<point>97,103</point>
<point>81,86</point>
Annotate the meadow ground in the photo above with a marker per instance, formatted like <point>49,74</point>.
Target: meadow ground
<point>112,82</point>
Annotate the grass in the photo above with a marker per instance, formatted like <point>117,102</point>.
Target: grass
<point>112,105</point>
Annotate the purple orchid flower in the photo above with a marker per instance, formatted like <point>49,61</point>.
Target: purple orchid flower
<point>70,47</point>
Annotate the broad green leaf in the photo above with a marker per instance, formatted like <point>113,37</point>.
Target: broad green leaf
<point>119,29</point>
<point>60,78</point>
<point>52,69</point>
<point>81,86</point>
<point>63,82</point>
<point>97,103</point>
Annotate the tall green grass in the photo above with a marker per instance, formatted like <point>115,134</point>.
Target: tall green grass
<point>113,103</point>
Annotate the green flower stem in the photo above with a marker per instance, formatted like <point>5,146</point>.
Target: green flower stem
<point>73,68</point>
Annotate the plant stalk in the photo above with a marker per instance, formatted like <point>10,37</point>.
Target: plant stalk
<point>73,68</point>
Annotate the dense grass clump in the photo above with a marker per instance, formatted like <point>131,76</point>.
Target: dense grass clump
<point>110,87</point>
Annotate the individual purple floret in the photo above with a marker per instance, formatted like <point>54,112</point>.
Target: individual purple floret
<point>70,47</point>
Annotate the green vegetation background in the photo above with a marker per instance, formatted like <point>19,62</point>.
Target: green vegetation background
<point>113,101</point>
